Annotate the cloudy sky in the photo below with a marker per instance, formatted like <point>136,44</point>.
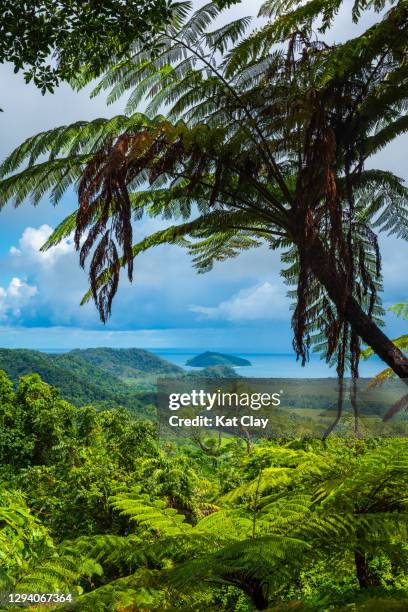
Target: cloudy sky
<point>240,306</point>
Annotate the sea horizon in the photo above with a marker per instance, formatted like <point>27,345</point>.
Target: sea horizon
<point>263,364</point>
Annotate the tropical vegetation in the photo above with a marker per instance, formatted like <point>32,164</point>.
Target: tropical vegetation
<point>102,377</point>
<point>248,136</point>
<point>94,504</point>
<point>52,40</point>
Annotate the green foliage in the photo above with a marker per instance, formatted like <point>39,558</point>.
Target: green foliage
<point>152,516</point>
<point>22,537</point>
<point>125,363</point>
<point>57,451</point>
<point>216,371</point>
<point>123,521</point>
<point>29,560</point>
<point>330,504</point>
<point>90,376</point>
<point>265,140</point>
<point>401,310</point>
<point>78,34</point>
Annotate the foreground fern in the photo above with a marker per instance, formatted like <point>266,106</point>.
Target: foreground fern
<point>29,560</point>
<point>335,505</point>
<point>321,523</point>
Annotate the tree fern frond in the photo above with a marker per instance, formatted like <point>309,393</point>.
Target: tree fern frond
<point>401,309</point>
<point>152,515</point>
<point>220,39</point>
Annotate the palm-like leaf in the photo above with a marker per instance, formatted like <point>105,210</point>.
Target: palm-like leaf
<point>284,143</point>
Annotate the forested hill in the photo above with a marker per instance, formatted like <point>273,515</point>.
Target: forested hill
<point>80,380</point>
<point>127,363</point>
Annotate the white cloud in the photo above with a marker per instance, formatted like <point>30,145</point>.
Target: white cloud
<point>18,289</point>
<point>56,275</point>
<point>265,301</point>
<point>33,239</point>
<point>14,297</point>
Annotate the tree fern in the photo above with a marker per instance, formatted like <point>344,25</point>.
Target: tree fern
<point>286,136</point>
<point>30,561</point>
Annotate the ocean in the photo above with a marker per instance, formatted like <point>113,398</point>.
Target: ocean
<point>263,365</point>
<point>273,365</point>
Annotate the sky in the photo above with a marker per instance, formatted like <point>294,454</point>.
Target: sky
<point>240,306</point>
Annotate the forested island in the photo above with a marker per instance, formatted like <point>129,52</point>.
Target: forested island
<point>216,359</point>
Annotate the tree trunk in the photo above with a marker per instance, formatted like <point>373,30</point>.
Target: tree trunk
<point>360,322</point>
<point>361,569</point>
<point>252,588</point>
<point>255,592</point>
<point>364,577</point>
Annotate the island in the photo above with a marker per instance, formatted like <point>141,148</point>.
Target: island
<point>208,359</point>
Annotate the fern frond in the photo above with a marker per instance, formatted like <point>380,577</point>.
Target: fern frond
<point>151,515</point>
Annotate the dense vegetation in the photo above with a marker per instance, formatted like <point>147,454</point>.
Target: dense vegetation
<point>266,139</point>
<point>93,503</point>
<point>52,40</point>
<point>78,382</point>
<point>94,376</point>
<point>215,359</point>
<point>216,371</point>
<point>127,363</point>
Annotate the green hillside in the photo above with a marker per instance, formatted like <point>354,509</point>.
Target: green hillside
<point>101,376</point>
<point>81,380</point>
<point>77,381</point>
<point>219,371</point>
<point>127,363</point>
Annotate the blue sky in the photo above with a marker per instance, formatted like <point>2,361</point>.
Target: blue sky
<point>240,306</point>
